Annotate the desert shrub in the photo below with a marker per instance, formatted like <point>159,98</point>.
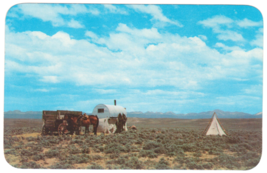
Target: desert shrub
<point>124,167</point>
<point>134,149</point>
<point>74,150</point>
<point>73,159</point>
<point>127,148</point>
<point>53,140</point>
<point>194,165</point>
<point>37,148</point>
<point>24,159</point>
<point>84,158</point>
<point>108,166</point>
<point>207,165</point>
<point>162,164</point>
<point>121,160</point>
<point>134,163</point>
<point>197,154</point>
<point>97,157</point>
<point>178,167</point>
<point>38,157</point>
<point>148,153</point>
<point>77,141</point>
<point>214,152</point>
<point>44,143</point>
<point>19,146</point>
<point>233,140</point>
<point>239,149</point>
<point>151,145</point>
<point>31,138</point>
<point>247,146</point>
<point>85,149</point>
<point>114,155</point>
<point>30,144</point>
<point>52,153</point>
<point>180,159</point>
<point>10,151</point>
<point>94,166</point>
<point>30,165</point>
<point>228,161</point>
<point>113,148</point>
<point>249,155</point>
<point>188,147</point>
<point>61,166</point>
<point>250,163</point>
<point>139,141</point>
<point>25,152</point>
<point>153,130</point>
<point>160,150</point>
<point>132,155</point>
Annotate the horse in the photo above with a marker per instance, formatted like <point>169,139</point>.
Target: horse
<point>84,120</point>
<point>121,123</point>
<point>72,123</point>
<point>87,120</point>
<point>94,120</point>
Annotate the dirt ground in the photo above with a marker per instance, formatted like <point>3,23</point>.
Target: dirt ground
<point>238,148</point>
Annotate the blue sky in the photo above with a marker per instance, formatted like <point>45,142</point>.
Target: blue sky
<point>179,58</point>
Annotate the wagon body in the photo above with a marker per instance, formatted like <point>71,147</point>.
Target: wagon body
<point>52,119</point>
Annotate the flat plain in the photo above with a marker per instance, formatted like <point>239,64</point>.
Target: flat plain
<point>156,144</point>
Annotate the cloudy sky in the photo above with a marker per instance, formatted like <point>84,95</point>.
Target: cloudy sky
<point>160,58</point>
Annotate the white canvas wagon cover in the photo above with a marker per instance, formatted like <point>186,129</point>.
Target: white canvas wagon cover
<point>105,111</point>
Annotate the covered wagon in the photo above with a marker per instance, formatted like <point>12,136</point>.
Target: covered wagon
<point>109,118</point>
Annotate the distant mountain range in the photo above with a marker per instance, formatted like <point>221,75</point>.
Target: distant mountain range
<point>203,115</point>
<point>23,115</point>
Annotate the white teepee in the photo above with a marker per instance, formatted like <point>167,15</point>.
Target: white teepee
<point>214,127</point>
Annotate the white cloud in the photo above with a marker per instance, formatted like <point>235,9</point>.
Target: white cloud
<point>54,13</point>
<point>229,35</point>
<point>147,33</point>
<point>64,38</point>
<point>42,90</point>
<point>114,9</point>
<point>227,48</point>
<point>74,24</point>
<point>127,57</point>
<point>155,12</point>
<point>217,23</point>
<point>92,35</point>
<point>50,79</point>
<point>258,41</point>
<point>237,100</point>
<point>255,90</point>
<point>248,23</point>
<point>203,37</point>
<point>106,91</point>
<point>135,99</point>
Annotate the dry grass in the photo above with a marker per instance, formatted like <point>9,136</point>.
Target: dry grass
<point>20,132</point>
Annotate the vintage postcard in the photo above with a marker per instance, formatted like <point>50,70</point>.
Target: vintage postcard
<point>133,86</point>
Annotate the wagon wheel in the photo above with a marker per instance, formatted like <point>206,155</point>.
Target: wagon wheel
<point>44,131</point>
<point>62,129</point>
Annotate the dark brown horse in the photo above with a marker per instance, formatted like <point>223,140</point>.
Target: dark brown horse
<point>84,121</point>
<point>72,123</point>
<point>87,120</point>
<point>94,120</point>
<point>121,123</point>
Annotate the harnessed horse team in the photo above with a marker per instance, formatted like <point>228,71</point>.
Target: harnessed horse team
<point>86,120</point>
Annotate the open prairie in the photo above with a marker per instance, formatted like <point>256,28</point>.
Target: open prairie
<point>156,144</point>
